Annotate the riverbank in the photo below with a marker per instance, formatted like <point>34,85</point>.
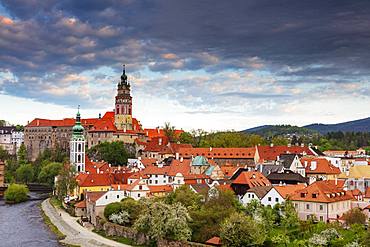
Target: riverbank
<point>75,234</point>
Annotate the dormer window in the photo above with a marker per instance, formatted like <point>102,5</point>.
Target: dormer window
<point>303,195</point>
<point>314,195</point>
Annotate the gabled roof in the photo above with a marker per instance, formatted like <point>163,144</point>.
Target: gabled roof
<point>228,171</point>
<point>288,190</point>
<point>66,122</point>
<point>218,153</point>
<point>89,180</point>
<point>260,191</point>
<point>287,176</point>
<point>270,153</point>
<point>287,159</point>
<point>157,132</point>
<point>104,125</point>
<point>322,166</point>
<point>321,191</point>
<point>81,204</point>
<point>252,178</point>
<point>215,241</point>
<point>94,196</point>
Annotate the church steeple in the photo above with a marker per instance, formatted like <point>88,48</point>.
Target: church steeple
<point>123,83</point>
<point>77,144</point>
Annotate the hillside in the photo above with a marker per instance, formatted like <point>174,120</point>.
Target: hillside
<point>274,130</point>
<point>361,125</point>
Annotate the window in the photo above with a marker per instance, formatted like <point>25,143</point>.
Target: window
<point>138,195</point>
<point>117,196</point>
<point>269,199</point>
<point>276,199</point>
<point>321,207</point>
<point>307,206</point>
<point>140,187</point>
<point>156,181</point>
<point>106,197</point>
<point>314,195</point>
<point>321,218</point>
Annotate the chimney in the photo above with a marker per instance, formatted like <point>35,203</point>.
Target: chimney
<point>302,144</point>
<point>261,168</point>
<point>119,187</point>
<point>159,141</point>
<point>99,115</point>
<point>98,171</point>
<point>38,122</point>
<point>271,144</point>
<point>289,145</point>
<point>181,159</point>
<point>124,129</point>
<point>158,130</point>
<point>210,149</point>
<point>305,163</point>
<point>177,156</point>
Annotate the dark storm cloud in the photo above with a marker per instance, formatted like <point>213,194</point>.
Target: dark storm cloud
<point>298,41</point>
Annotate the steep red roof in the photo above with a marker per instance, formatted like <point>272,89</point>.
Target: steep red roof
<point>288,190</point>
<point>109,115</point>
<point>270,153</point>
<point>81,204</point>
<point>215,241</point>
<point>104,125</point>
<point>221,153</point>
<point>94,196</point>
<point>321,166</point>
<point>88,180</point>
<point>151,133</point>
<point>321,191</point>
<point>252,179</point>
<point>160,188</point>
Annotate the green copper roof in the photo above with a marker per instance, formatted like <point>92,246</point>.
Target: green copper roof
<point>199,161</point>
<point>78,129</point>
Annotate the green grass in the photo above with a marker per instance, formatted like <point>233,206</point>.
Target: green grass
<point>51,226</point>
<point>55,202</point>
<point>118,239</point>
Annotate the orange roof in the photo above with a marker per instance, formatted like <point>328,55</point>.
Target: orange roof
<point>287,190</point>
<point>160,188</point>
<point>151,133</point>
<point>229,170</point>
<point>105,125</point>
<point>148,161</point>
<point>323,166</point>
<point>339,183</point>
<point>88,180</point>
<point>81,204</point>
<point>252,179</point>
<point>268,153</point>
<point>109,115</point>
<point>224,187</point>
<point>214,241</point>
<point>119,186</point>
<point>220,153</point>
<point>321,191</point>
<point>138,175</point>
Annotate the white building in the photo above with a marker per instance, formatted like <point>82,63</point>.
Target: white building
<point>77,145</point>
<point>11,139</point>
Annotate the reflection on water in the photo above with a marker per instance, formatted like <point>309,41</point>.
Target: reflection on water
<point>22,225</point>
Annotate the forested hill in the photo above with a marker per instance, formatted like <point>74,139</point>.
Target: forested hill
<point>277,130</point>
<point>361,125</point>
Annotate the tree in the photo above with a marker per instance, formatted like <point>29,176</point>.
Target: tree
<point>185,196</point>
<point>132,207</point>
<point>22,155</point>
<point>49,171</point>
<point>25,173</point>
<point>3,154</point>
<point>289,217</point>
<point>354,216</point>
<point>66,181</point>
<point>114,153</point>
<point>121,218</point>
<point>169,131</point>
<point>112,208</point>
<point>2,123</point>
<point>163,221</point>
<point>16,193</point>
<point>188,138</point>
<point>241,230</point>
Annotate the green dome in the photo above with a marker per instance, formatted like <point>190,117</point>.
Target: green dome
<point>199,161</point>
<point>78,129</point>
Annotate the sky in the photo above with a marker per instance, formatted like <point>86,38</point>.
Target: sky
<point>211,64</point>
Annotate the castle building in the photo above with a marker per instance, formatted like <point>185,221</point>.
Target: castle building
<point>117,125</point>
<point>77,145</point>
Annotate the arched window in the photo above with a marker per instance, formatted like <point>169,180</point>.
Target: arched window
<point>79,158</point>
<point>79,147</point>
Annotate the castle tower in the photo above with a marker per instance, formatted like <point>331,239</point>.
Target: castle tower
<point>77,145</point>
<point>123,107</point>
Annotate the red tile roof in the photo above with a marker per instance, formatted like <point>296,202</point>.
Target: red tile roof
<point>94,196</point>
<point>216,241</point>
<point>268,153</point>
<point>321,191</point>
<point>367,192</point>
<point>288,190</point>
<point>220,153</point>
<point>151,133</point>
<point>323,166</point>
<point>81,204</point>
<point>89,180</point>
<point>160,188</point>
<point>66,122</point>
<point>252,179</point>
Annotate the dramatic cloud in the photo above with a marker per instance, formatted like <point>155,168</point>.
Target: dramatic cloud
<point>248,57</point>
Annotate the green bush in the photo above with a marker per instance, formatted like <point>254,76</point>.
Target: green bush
<point>16,193</point>
<point>112,208</point>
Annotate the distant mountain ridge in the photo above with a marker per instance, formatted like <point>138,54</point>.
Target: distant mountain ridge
<point>360,125</point>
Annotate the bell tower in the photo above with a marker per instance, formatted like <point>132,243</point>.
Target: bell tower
<point>77,145</point>
<point>123,107</point>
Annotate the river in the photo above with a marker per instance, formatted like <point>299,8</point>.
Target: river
<point>22,225</point>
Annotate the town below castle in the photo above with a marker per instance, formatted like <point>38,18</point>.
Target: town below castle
<point>159,164</point>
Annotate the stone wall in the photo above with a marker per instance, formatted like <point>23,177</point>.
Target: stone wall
<point>139,238</point>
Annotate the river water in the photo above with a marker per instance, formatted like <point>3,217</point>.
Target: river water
<point>22,225</point>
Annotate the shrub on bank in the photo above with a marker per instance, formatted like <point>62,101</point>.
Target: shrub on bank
<point>16,193</point>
